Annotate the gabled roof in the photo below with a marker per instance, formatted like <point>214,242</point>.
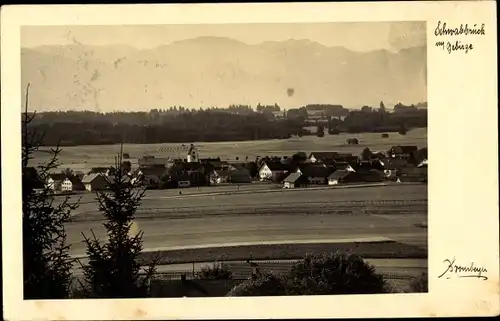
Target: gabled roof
<point>404,149</point>
<point>208,160</point>
<point>223,173</point>
<point>413,171</point>
<point>423,163</point>
<point>153,171</point>
<point>312,170</point>
<point>99,169</point>
<point>237,167</point>
<point>89,178</point>
<point>292,178</point>
<point>323,155</point>
<point>75,180</point>
<point>339,174</point>
<point>346,158</point>
<point>185,166</point>
<point>275,166</point>
<point>151,161</point>
<point>58,176</point>
<point>393,163</point>
<point>372,175</point>
<point>341,166</point>
<point>365,165</point>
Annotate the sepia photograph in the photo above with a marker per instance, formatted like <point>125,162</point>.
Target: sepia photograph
<point>241,161</point>
<point>224,160</point>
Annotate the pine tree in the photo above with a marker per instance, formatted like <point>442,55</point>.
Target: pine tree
<point>46,260</point>
<point>114,269</point>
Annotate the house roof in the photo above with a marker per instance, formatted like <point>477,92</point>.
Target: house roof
<point>423,163</point>
<point>292,178</point>
<point>89,178</point>
<point>58,176</point>
<point>324,155</point>
<point>310,170</point>
<point>275,166</point>
<point>208,160</point>
<point>346,158</point>
<point>111,179</point>
<point>372,175</point>
<point>365,165</point>
<point>99,169</point>
<point>237,167</point>
<point>413,171</point>
<point>75,180</point>
<point>223,173</point>
<point>153,171</point>
<point>185,166</point>
<point>151,160</point>
<point>393,163</point>
<point>341,166</point>
<point>339,174</point>
<point>404,149</point>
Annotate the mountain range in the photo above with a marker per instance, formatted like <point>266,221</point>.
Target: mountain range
<point>215,71</point>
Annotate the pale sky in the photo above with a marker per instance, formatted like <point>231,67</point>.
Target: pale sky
<point>358,36</point>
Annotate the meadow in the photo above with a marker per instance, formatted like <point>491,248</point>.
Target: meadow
<point>83,158</point>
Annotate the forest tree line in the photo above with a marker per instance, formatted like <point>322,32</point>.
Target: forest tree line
<point>236,123</point>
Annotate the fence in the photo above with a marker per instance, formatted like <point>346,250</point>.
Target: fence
<point>242,271</point>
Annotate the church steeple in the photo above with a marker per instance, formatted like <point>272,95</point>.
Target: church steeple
<point>192,155</point>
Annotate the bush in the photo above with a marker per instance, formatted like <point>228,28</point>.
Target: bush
<point>336,273</point>
<point>217,271</point>
<point>420,284</point>
<point>267,284</point>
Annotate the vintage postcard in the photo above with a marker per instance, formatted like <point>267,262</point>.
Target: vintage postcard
<point>217,161</point>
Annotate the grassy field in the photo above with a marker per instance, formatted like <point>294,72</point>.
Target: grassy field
<point>386,250</point>
<point>86,157</point>
<point>213,199</point>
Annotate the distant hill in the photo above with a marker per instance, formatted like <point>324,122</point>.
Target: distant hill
<point>212,71</point>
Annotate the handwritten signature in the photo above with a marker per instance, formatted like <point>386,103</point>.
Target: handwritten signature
<point>461,271</point>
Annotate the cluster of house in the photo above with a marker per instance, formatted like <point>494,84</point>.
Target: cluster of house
<point>400,163</point>
<point>156,173</point>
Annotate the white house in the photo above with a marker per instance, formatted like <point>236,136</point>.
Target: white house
<point>272,171</point>
<point>94,182</point>
<point>66,185</point>
<point>54,181</point>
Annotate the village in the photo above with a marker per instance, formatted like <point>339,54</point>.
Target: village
<point>300,170</point>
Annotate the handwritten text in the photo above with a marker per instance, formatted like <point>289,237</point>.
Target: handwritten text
<point>463,30</point>
<point>462,271</point>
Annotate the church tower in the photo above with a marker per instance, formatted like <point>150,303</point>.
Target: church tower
<point>192,156</point>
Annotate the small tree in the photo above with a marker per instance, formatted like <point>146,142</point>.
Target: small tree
<point>114,269</point>
<point>217,271</point>
<point>335,273</point>
<point>267,284</point>
<point>46,259</point>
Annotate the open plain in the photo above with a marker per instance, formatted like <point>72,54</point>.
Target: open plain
<point>171,221</point>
